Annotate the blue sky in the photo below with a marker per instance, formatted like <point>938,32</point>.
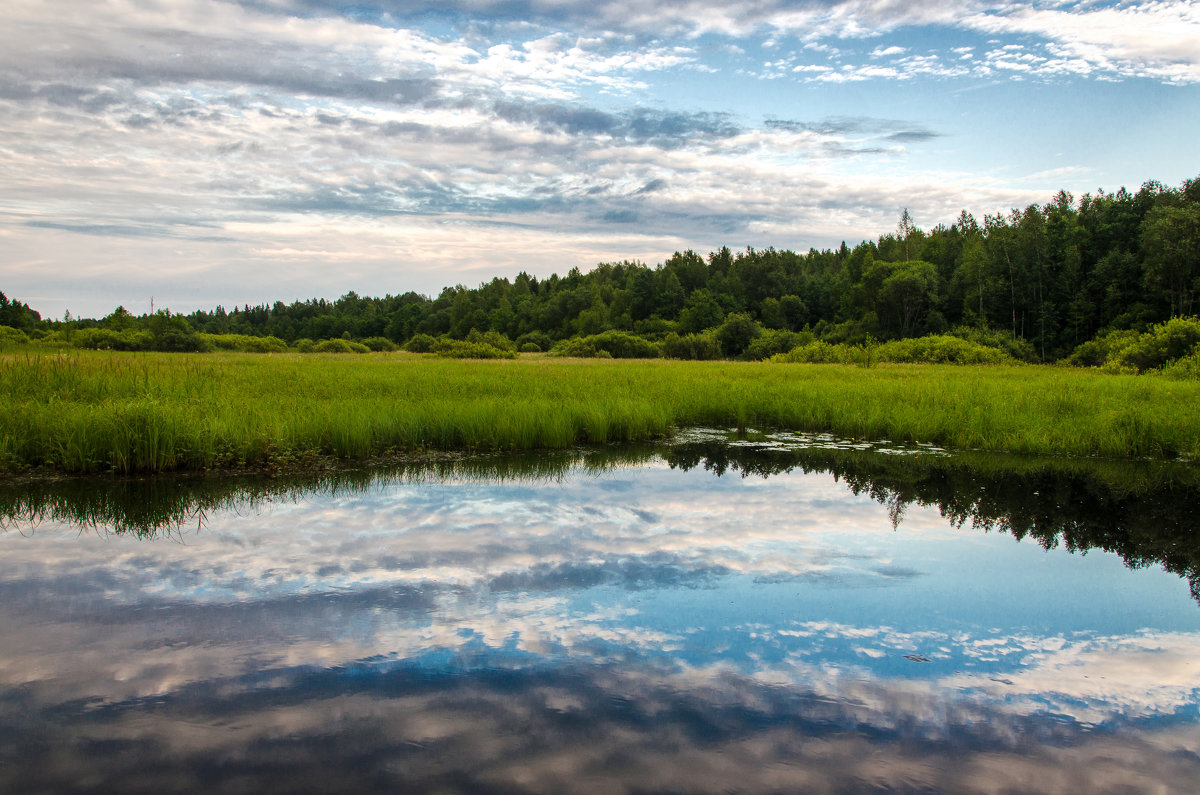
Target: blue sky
<point>203,152</point>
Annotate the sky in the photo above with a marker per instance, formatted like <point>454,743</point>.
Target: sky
<point>192,153</point>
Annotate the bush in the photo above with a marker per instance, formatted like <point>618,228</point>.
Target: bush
<point>1167,342</point>
<point>775,342</point>
<point>10,337</point>
<point>736,333</point>
<point>934,349</point>
<point>1001,340</point>
<point>421,343</point>
<point>1128,351</point>
<point>819,352</point>
<point>541,340</point>
<point>617,344</point>
<point>304,345</point>
<point>103,339</point>
<point>340,346</point>
<point>1185,369</point>
<point>222,342</point>
<point>691,346</point>
<point>493,338</point>
<point>530,347</point>
<point>262,345</point>
<point>1095,352</point>
<point>459,349</point>
<point>378,344</point>
<point>939,349</point>
<point>243,342</point>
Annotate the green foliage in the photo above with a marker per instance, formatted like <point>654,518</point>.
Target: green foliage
<point>700,347</point>
<point>538,339</point>
<point>173,333</point>
<point>1129,351</point>
<point>421,343</point>
<point>530,347</point>
<point>460,349</point>
<point>340,346</point>
<point>701,311</point>
<point>493,338</point>
<point>736,333</point>
<point>616,344</point>
<point>939,349</point>
<point>11,337</point>
<point>380,344</point>
<point>242,342</point>
<point>821,352</point>
<point>304,345</point>
<point>772,343</point>
<point>263,345</point>
<point>1184,369</point>
<point>104,339</point>
<point>1018,349</point>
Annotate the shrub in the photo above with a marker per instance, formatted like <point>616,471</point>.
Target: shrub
<point>538,338</point>
<point>1001,340</point>
<point>617,344</point>
<point>262,345</point>
<point>736,333</point>
<point>10,337</point>
<point>934,349</point>
<point>691,346</point>
<point>819,352</point>
<point>1185,369</point>
<point>340,346</point>
<point>104,339</point>
<point>421,343</point>
<point>460,349</point>
<point>1129,351</point>
<point>774,342</point>
<point>1167,342</point>
<point>939,349</point>
<point>304,345</point>
<point>530,347</point>
<point>492,338</point>
<point>379,344</point>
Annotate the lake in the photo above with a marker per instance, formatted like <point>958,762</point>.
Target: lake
<point>755,612</point>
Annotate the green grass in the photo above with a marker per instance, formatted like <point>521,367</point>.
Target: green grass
<point>89,411</point>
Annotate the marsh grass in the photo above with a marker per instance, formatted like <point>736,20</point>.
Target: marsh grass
<point>87,411</point>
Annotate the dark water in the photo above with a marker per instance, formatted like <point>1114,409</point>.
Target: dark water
<point>774,614</point>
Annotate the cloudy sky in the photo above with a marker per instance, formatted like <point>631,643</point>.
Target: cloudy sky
<point>204,152</point>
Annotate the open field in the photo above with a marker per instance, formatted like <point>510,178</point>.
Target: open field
<point>83,412</point>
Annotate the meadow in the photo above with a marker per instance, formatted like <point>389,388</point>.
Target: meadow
<point>95,411</point>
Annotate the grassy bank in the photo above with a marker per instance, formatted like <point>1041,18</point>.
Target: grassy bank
<point>97,411</point>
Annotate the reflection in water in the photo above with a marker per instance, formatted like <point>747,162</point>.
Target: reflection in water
<point>774,613</point>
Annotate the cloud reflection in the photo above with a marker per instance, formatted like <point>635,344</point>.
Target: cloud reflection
<point>641,627</point>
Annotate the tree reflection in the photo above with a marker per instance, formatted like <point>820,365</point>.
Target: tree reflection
<point>1147,513</point>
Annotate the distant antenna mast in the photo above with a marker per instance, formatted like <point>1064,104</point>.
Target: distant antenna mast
<point>152,305</point>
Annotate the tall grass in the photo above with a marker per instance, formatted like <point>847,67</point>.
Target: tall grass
<point>99,411</point>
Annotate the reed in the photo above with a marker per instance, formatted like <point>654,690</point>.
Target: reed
<point>88,411</point>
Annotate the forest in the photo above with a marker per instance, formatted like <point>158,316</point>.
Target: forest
<point>1038,283</point>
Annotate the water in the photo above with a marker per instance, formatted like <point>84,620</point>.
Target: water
<point>777,613</point>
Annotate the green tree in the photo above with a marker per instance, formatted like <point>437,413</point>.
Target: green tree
<point>736,333</point>
<point>701,311</point>
<point>1171,241</point>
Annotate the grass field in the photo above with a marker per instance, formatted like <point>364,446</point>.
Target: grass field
<point>82,412</point>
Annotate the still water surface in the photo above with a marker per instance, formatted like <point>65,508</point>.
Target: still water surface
<point>774,615</point>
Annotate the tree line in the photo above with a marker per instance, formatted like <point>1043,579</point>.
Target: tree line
<point>1049,277</point>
